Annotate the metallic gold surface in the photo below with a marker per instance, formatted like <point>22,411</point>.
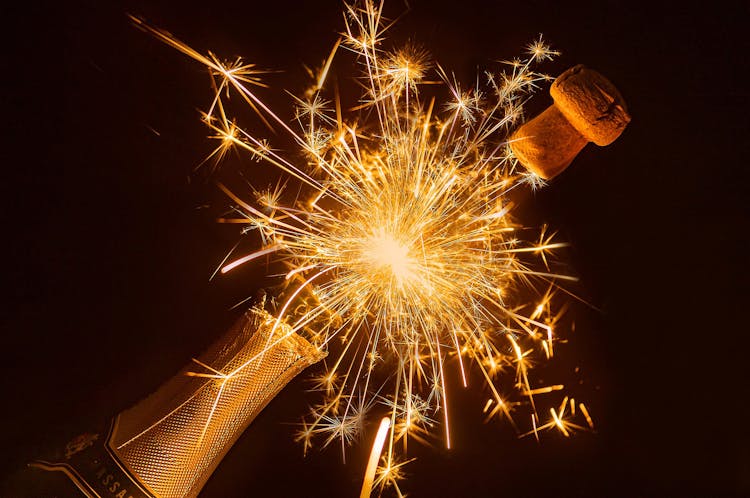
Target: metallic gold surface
<point>174,439</point>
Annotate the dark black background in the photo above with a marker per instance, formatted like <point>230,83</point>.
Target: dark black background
<point>109,239</point>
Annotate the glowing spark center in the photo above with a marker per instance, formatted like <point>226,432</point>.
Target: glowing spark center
<point>387,253</point>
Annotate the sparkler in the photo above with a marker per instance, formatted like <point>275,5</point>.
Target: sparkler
<point>403,261</point>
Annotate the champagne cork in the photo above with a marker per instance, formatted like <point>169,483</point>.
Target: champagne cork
<point>587,108</point>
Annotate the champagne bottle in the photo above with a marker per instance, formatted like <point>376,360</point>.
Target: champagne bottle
<point>169,443</point>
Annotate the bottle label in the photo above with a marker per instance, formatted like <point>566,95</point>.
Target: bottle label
<point>88,461</point>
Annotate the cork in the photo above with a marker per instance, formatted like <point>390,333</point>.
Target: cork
<point>587,108</point>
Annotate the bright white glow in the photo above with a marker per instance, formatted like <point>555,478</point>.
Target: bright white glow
<point>372,463</point>
<point>386,253</point>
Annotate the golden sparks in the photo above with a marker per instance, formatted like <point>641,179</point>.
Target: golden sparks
<point>402,258</point>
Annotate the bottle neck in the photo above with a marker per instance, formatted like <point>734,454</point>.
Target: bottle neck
<point>169,443</point>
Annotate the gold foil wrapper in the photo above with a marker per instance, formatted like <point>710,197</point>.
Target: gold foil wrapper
<point>174,439</point>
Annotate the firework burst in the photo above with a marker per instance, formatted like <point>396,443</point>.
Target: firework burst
<point>403,261</point>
